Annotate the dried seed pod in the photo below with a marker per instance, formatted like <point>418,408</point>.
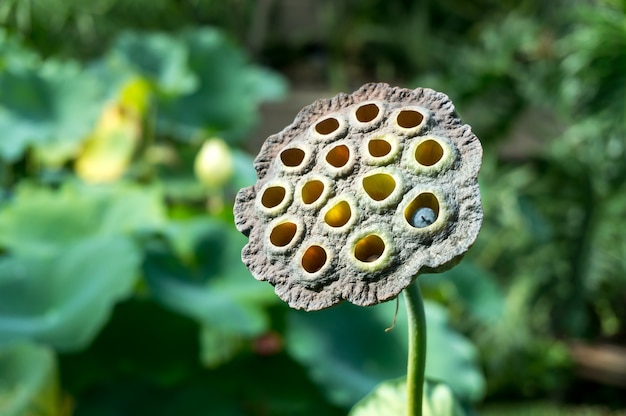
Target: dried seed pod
<point>359,195</point>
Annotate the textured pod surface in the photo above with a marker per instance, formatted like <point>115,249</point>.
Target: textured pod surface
<point>360,194</point>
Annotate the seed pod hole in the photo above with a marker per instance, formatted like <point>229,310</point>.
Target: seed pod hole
<point>273,196</point>
<point>338,156</point>
<point>379,186</point>
<point>409,118</point>
<point>292,157</point>
<point>311,191</point>
<point>327,126</point>
<point>313,259</point>
<point>422,211</point>
<point>338,215</point>
<point>367,113</point>
<point>369,248</point>
<point>283,233</point>
<point>379,147</point>
<point>428,152</point>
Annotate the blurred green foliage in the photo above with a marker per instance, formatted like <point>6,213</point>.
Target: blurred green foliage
<point>121,286</point>
<point>390,398</point>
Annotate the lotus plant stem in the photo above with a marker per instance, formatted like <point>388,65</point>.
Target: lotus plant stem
<point>417,348</point>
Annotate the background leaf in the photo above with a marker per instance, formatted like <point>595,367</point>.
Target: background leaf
<point>228,91</point>
<point>69,257</point>
<point>28,381</point>
<point>63,299</point>
<point>203,279</point>
<point>53,107</point>
<point>390,399</point>
<point>348,351</point>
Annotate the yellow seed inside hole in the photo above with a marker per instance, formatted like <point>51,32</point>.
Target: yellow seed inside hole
<point>314,259</point>
<point>423,200</point>
<point>428,152</point>
<point>379,186</point>
<point>338,215</point>
<point>292,157</point>
<point>369,249</point>
<point>379,147</point>
<point>327,126</point>
<point>409,118</point>
<point>311,191</point>
<point>367,113</point>
<point>283,233</point>
<point>273,196</point>
<point>338,156</point>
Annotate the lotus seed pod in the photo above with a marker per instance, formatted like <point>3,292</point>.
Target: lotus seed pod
<point>359,195</point>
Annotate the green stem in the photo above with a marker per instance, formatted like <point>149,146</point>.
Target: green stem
<point>417,348</point>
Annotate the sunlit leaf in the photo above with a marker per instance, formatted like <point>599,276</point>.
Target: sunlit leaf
<point>390,399</point>
<point>28,381</point>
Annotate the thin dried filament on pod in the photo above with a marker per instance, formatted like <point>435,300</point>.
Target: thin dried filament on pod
<point>273,196</point>
<point>378,147</point>
<point>312,191</point>
<point>282,234</point>
<point>379,186</point>
<point>409,119</point>
<point>369,248</point>
<point>428,152</point>
<point>367,113</point>
<point>338,156</point>
<point>314,258</point>
<point>422,211</point>
<point>327,126</point>
<point>292,157</point>
<point>338,215</point>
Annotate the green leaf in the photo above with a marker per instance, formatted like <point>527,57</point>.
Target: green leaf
<point>70,258</point>
<point>14,54</point>
<point>41,221</point>
<point>28,381</point>
<point>52,107</point>
<point>159,347</point>
<point>390,399</point>
<point>473,286</point>
<point>546,409</point>
<point>63,298</point>
<point>348,351</point>
<point>204,83</point>
<point>244,174</point>
<point>218,347</point>
<point>159,57</point>
<point>204,279</point>
<point>229,90</point>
